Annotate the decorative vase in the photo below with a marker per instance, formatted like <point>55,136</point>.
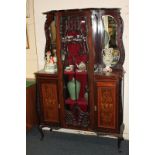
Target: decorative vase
<point>74,89</point>
<point>50,68</point>
<point>86,96</point>
<point>108,59</point>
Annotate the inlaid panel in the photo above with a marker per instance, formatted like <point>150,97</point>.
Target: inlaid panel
<point>106,105</point>
<point>50,102</point>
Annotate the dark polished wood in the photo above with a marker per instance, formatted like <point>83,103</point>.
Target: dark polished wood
<point>105,89</point>
<point>49,19</point>
<point>91,69</point>
<point>48,102</point>
<point>60,68</point>
<point>107,100</point>
<point>108,90</point>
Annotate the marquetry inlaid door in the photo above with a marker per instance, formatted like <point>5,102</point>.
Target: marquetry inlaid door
<point>50,106</point>
<point>106,105</point>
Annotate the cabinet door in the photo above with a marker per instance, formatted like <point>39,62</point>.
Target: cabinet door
<point>49,102</point>
<point>106,105</point>
<point>75,41</point>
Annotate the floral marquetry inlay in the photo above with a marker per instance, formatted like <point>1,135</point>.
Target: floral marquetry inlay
<point>50,105</point>
<point>106,106</point>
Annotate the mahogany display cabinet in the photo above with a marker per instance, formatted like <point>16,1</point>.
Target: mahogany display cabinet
<point>81,95</point>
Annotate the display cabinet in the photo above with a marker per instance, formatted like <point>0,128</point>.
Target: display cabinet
<point>86,83</point>
<point>75,61</point>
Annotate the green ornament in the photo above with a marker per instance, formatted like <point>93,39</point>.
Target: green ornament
<point>74,89</point>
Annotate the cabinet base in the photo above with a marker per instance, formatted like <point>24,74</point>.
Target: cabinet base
<point>119,141</point>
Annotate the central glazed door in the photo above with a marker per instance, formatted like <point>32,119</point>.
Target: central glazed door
<point>75,68</point>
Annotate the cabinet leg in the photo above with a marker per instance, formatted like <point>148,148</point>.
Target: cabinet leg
<point>40,128</point>
<point>119,141</point>
<point>41,132</point>
<point>120,137</point>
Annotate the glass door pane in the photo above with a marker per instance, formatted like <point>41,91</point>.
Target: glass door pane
<point>74,53</point>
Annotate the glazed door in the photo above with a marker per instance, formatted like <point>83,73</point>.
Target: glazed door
<point>75,68</point>
<point>107,105</point>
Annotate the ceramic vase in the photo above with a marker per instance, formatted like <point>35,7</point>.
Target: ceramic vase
<point>86,96</point>
<point>74,89</point>
<point>108,57</point>
<point>50,68</point>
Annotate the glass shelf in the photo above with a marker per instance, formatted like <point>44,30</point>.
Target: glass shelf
<point>73,39</point>
<point>76,72</point>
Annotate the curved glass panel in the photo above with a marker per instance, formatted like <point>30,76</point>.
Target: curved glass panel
<point>109,44</point>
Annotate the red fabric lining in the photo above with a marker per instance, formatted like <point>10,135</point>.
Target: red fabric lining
<point>75,58</point>
<point>81,102</point>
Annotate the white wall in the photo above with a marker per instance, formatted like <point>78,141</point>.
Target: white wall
<point>41,6</point>
<point>31,52</point>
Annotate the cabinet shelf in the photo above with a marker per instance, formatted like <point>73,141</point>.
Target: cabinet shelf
<point>73,39</point>
<point>76,72</point>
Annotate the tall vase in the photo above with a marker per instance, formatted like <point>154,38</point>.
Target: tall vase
<point>86,96</point>
<point>74,89</point>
